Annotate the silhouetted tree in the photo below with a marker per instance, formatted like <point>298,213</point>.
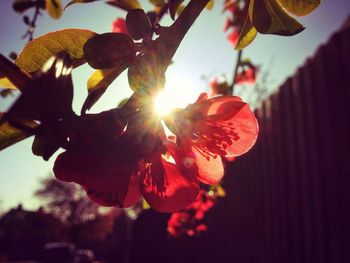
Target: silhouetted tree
<point>66,201</point>
<point>23,234</point>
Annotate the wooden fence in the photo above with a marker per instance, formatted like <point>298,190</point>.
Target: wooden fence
<point>294,184</point>
<point>288,198</point>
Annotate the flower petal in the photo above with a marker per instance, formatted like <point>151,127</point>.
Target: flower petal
<point>210,106</point>
<point>166,189</point>
<point>245,126</point>
<point>112,198</point>
<point>105,177</point>
<point>237,118</point>
<point>209,171</point>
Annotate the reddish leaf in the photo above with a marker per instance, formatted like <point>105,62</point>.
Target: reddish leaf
<point>166,189</point>
<point>49,95</point>
<point>138,24</point>
<point>109,50</point>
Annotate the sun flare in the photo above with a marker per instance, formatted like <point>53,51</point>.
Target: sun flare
<point>175,95</point>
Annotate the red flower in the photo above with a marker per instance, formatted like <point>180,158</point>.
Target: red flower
<point>233,37</point>
<point>117,175</point>
<point>135,161</point>
<point>236,22</point>
<point>220,126</point>
<point>188,221</point>
<point>247,75</point>
<point>177,223</point>
<point>219,87</point>
<point>228,24</point>
<point>119,26</point>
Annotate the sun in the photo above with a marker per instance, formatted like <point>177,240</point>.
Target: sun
<point>176,94</point>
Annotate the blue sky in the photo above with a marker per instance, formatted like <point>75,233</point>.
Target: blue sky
<point>204,51</point>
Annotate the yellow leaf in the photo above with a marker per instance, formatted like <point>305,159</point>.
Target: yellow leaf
<point>97,84</point>
<point>6,83</point>
<point>157,2</point>
<point>268,17</point>
<point>210,5</point>
<point>127,5</point>
<point>54,8</point>
<point>300,7</point>
<point>79,2</point>
<point>180,9</point>
<point>10,135</point>
<point>247,35</point>
<point>145,205</point>
<point>37,52</point>
<point>220,191</point>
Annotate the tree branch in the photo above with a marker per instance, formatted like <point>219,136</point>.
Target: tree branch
<point>17,76</point>
<point>171,37</point>
<point>169,40</point>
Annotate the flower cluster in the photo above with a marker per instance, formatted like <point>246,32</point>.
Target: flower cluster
<point>237,13</point>
<point>247,72</point>
<point>121,154</point>
<point>190,220</point>
<point>219,87</point>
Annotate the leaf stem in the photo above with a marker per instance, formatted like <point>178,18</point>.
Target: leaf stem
<point>32,26</point>
<point>235,71</point>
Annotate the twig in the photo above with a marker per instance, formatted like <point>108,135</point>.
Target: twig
<point>32,24</point>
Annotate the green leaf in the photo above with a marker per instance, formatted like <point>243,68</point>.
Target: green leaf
<point>79,2</point>
<point>98,83</point>
<point>10,135</point>
<point>300,7</point>
<point>38,51</point>
<point>138,24</point>
<point>173,7</point>
<point>268,17</point>
<point>109,50</point>
<point>247,34</point>
<point>54,8</point>
<point>126,5</point>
